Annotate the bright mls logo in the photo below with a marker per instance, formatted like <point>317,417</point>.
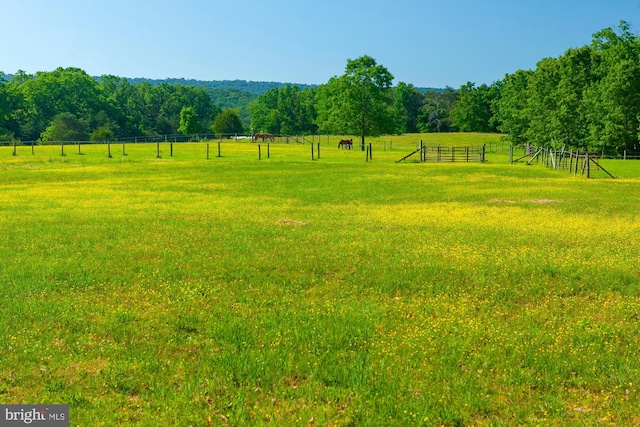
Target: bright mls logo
<point>34,415</point>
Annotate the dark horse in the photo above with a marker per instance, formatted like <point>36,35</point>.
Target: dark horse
<point>345,144</point>
<point>263,137</point>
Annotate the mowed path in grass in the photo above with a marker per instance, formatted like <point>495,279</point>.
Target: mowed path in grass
<point>187,291</point>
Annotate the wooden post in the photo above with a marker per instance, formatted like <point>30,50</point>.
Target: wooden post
<point>207,151</point>
<point>170,148</point>
<point>318,149</point>
<point>79,148</point>
<point>33,150</point>
<point>219,149</point>
<point>15,153</point>
<point>259,153</point>
<point>312,155</point>
<point>269,150</point>
<point>108,149</point>
<point>482,155</point>
<point>62,148</point>
<point>570,160</point>
<point>124,153</point>
<point>158,150</point>
<point>588,166</point>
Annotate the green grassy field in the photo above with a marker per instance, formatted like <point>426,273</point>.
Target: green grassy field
<point>185,291</point>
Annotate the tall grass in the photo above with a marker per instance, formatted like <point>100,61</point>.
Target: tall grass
<point>185,291</point>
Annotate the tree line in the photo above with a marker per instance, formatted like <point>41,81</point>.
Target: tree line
<point>588,98</point>
<point>68,104</point>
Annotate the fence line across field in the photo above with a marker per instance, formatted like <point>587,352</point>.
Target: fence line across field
<point>160,145</point>
<point>572,161</point>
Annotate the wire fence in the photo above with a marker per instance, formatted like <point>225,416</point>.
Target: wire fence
<point>178,138</point>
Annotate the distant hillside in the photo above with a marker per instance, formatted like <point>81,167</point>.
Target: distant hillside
<point>257,88</point>
<point>430,89</point>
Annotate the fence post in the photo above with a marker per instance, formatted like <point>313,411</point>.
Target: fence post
<point>318,149</point>
<point>483,152</point>
<point>109,149</point>
<point>312,155</point>
<point>79,148</point>
<point>219,149</point>
<point>207,151</point>
<point>268,150</point>
<point>33,150</point>
<point>171,149</point>
<point>259,153</point>
<point>62,148</point>
<point>123,150</point>
<point>158,150</point>
<point>14,148</point>
<point>511,154</point>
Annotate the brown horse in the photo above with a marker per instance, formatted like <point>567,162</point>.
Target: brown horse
<point>345,144</point>
<point>263,137</point>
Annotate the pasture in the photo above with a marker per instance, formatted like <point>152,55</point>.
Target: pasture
<point>337,291</point>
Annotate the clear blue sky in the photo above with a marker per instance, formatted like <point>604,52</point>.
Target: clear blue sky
<point>425,43</point>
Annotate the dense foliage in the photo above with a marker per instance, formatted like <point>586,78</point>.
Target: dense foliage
<point>69,104</point>
<point>588,98</point>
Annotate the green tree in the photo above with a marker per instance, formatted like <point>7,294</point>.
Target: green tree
<point>613,102</point>
<point>472,111</point>
<point>435,114</point>
<point>189,121</point>
<point>65,127</point>
<point>286,110</point>
<point>407,101</point>
<point>227,122</point>
<point>103,133</point>
<point>358,102</point>
<point>65,90</point>
<point>5,110</point>
<point>511,108</point>
<point>542,104</point>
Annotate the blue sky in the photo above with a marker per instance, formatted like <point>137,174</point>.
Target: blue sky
<point>425,43</point>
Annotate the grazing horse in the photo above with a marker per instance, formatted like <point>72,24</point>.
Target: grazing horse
<point>263,136</point>
<point>345,144</point>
